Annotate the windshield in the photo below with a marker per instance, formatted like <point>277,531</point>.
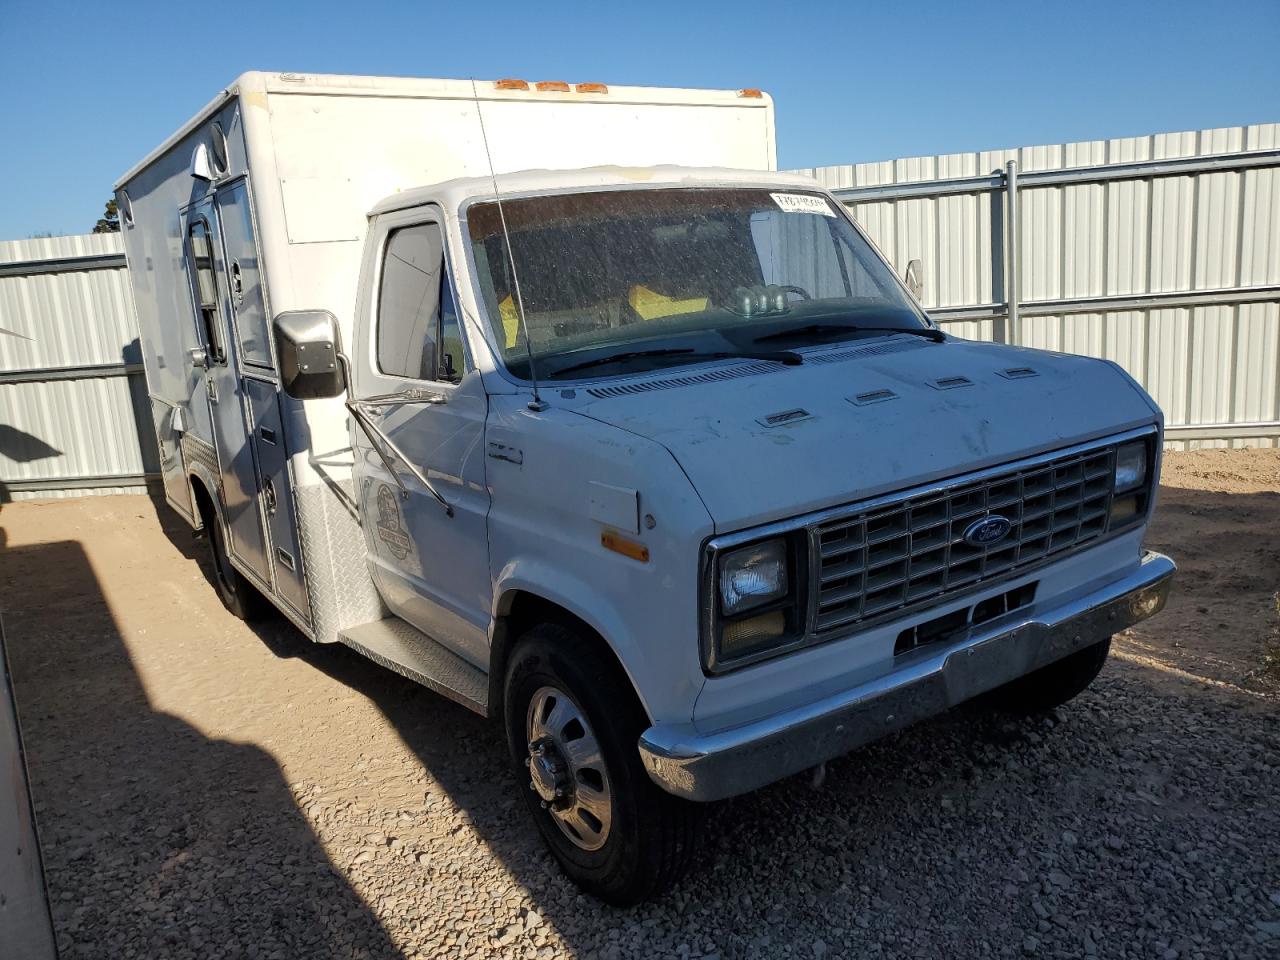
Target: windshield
<point>618,281</point>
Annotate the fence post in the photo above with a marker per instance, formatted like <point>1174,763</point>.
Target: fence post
<point>1011,332</point>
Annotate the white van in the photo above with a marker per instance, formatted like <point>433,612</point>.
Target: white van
<point>657,462</point>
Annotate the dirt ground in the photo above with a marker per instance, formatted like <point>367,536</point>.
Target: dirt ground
<point>1218,515</point>
<point>209,790</point>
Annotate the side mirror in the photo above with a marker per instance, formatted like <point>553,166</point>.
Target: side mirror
<point>307,348</point>
<point>913,277</point>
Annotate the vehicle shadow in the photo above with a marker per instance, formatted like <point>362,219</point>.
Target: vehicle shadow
<point>230,866</point>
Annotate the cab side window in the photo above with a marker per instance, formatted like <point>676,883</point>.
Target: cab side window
<point>418,333</point>
<point>201,261</point>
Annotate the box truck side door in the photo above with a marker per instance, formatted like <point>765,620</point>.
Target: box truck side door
<point>237,469</point>
<point>429,559</point>
<point>258,378</point>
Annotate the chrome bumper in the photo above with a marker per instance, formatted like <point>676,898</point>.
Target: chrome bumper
<point>728,762</point>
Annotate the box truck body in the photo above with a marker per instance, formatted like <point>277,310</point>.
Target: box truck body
<point>281,170</point>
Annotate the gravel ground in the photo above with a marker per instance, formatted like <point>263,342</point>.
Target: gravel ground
<point>207,790</point>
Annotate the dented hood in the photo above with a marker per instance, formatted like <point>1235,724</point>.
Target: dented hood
<point>762,442</point>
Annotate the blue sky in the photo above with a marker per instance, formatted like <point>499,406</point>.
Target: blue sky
<point>89,88</point>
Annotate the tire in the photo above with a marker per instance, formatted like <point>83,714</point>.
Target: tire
<point>238,595</point>
<point>1042,690</point>
<point>648,838</point>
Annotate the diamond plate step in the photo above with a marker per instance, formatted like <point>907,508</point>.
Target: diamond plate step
<point>402,647</point>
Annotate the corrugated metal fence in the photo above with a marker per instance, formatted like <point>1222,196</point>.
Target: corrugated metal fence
<point>74,415</point>
<point>1159,252</point>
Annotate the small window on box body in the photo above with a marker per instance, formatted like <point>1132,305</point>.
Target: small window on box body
<point>219,155</point>
<point>417,326</point>
<point>200,257</point>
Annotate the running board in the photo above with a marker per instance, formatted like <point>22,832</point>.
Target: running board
<point>402,647</point>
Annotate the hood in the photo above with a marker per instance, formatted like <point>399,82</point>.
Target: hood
<point>763,442</point>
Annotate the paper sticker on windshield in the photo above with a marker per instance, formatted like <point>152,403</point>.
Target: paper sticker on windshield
<point>802,203</point>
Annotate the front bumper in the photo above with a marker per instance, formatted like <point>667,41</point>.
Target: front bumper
<point>728,762</point>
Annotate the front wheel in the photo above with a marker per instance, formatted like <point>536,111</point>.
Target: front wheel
<point>1051,686</point>
<point>573,723</point>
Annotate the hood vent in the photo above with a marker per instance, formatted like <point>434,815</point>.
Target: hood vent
<point>666,383</point>
<point>950,383</point>
<point>1018,373</point>
<point>872,396</point>
<point>784,417</point>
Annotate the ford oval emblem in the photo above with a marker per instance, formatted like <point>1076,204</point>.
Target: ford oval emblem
<point>987,531</point>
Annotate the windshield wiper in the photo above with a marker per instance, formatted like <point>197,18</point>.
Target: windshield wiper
<point>778,356</point>
<point>619,357</point>
<point>822,329</point>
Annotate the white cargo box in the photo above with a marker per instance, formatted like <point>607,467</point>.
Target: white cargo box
<point>284,168</point>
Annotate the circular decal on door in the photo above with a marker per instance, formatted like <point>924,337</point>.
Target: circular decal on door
<point>390,531</point>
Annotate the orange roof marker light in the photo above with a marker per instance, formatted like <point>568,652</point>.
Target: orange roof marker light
<point>510,84</point>
<point>591,87</point>
<point>552,86</point>
<point>754,93</point>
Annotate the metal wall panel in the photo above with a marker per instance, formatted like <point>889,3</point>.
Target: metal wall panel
<point>1208,227</point>
<point>74,417</point>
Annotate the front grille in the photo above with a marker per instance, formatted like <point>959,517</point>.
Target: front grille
<point>891,558</point>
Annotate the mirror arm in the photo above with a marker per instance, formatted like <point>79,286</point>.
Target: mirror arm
<point>370,432</point>
<point>413,395</point>
<point>378,439</point>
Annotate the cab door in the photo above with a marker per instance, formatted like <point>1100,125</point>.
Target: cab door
<point>236,462</point>
<point>420,458</point>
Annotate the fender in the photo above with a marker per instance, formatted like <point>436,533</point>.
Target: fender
<point>198,471</point>
<point>663,692</point>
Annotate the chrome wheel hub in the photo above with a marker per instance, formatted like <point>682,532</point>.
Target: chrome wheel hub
<point>548,773</point>
<point>566,769</point>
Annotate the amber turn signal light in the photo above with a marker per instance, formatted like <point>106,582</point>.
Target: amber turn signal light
<point>628,548</point>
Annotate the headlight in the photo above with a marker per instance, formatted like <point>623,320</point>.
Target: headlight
<point>753,576</point>
<point>754,605</point>
<point>1131,495</point>
<point>1131,466</point>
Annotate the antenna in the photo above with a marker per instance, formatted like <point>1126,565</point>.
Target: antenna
<point>536,403</point>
